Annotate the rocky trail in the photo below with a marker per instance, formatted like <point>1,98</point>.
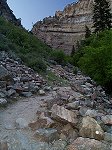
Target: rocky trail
<point>36,116</point>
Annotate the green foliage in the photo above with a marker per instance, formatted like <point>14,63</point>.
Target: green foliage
<point>97,58</point>
<point>55,80</point>
<point>24,44</point>
<point>58,56</point>
<point>37,64</point>
<point>77,56</point>
<point>101,15</point>
<point>88,32</point>
<point>6,44</point>
<point>32,51</point>
<point>78,53</point>
<point>73,51</point>
<point>75,70</point>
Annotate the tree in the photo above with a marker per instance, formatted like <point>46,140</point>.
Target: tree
<point>102,17</point>
<point>88,32</point>
<point>73,51</point>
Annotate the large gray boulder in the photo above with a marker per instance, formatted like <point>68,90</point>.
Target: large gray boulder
<point>88,144</point>
<point>91,129</point>
<point>62,114</point>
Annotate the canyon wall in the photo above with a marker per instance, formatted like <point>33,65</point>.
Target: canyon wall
<point>63,30</point>
<point>7,13</point>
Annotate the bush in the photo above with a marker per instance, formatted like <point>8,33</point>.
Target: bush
<point>97,59</point>
<point>75,70</point>
<point>76,57</point>
<point>38,64</point>
<point>58,56</point>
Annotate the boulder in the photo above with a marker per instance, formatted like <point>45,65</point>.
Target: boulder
<point>91,129</point>
<point>62,114</point>
<point>88,144</point>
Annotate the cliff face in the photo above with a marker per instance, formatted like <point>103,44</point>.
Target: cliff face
<point>66,27</point>
<point>7,13</point>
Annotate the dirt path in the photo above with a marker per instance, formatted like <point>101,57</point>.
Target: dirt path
<point>19,139</point>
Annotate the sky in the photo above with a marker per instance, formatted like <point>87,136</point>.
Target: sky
<point>31,11</point>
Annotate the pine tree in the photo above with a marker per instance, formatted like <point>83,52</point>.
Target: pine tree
<point>88,32</point>
<point>73,51</point>
<point>102,17</point>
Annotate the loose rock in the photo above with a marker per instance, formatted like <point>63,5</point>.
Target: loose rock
<point>88,144</point>
<point>91,129</point>
<point>62,114</point>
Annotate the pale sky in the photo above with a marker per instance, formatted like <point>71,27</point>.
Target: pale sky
<point>31,11</point>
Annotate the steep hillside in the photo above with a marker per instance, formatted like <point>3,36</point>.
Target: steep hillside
<point>7,13</point>
<point>67,27</point>
<point>17,40</point>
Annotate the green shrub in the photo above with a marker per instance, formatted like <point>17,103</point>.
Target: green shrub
<point>37,64</point>
<point>75,70</point>
<point>97,58</point>
<point>58,56</point>
<point>77,56</point>
<point>31,50</point>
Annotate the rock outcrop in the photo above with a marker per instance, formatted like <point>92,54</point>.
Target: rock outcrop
<point>67,27</point>
<point>7,13</point>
